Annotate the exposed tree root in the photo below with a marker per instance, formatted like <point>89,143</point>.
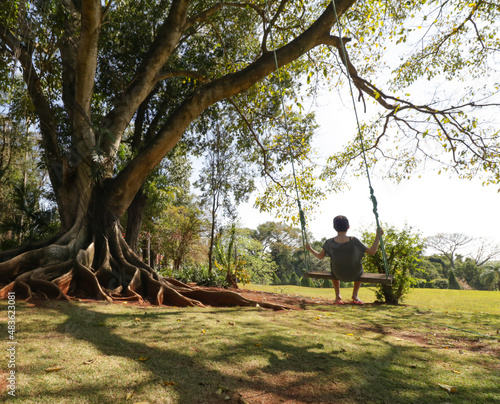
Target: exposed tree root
<point>107,270</point>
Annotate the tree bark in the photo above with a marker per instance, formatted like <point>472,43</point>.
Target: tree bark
<point>135,219</point>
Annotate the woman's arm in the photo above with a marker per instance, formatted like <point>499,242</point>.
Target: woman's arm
<point>373,249</point>
<point>319,255</point>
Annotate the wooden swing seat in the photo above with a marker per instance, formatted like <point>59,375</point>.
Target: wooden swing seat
<point>367,277</point>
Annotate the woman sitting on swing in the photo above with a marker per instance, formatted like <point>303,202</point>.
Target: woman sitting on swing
<point>345,255</point>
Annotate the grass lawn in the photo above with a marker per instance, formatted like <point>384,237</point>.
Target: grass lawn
<point>474,301</point>
<point>442,347</point>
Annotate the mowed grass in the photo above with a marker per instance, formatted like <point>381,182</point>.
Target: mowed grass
<point>469,301</point>
<point>442,347</point>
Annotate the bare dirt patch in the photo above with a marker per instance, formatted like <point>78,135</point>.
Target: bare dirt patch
<point>289,301</point>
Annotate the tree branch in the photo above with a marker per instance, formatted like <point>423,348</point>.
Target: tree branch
<point>182,73</point>
<point>361,84</point>
<point>43,109</point>
<point>146,77</point>
<point>261,146</point>
<point>270,25</point>
<point>206,14</point>
<point>105,10</point>
<point>68,49</point>
<point>128,181</point>
<point>86,61</point>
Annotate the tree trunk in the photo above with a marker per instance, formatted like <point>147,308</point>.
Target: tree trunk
<point>134,220</point>
<point>211,247</point>
<point>389,295</point>
<point>231,279</point>
<point>93,261</point>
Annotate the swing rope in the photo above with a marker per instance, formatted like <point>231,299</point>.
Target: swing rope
<point>361,141</point>
<point>363,150</point>
<point>302,218</point>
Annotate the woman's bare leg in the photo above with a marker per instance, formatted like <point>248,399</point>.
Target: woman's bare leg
<point>355,291</point>
<point>336,286</point>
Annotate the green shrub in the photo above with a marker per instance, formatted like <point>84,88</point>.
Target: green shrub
<point>429,285</point>
<point>197,274</point>
<point>304,281</point>
<point>294,280</point>
<point>307,282</point>
<point>327,283</point>
<point>440,283</point>
<point>285,279</point>
<point>276,279</point>
<point>405,247</point>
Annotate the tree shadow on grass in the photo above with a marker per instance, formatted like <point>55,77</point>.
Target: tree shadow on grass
<point>256,364</point>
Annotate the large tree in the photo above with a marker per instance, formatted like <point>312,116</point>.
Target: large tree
<point>224,182</point>
<point>96,70</point>
<point>448,245</point>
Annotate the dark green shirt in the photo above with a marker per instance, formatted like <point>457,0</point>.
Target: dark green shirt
<point>345,258</point>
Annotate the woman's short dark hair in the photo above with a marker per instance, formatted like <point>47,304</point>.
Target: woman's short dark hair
<point>341,224</point>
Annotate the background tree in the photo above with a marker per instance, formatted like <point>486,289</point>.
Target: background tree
<point>470,273</point>
<point>168,185</point>
<point>258,262</point>
<point>271,233</point>
<point>308,282</point>
<point>431,267</point>
<point>280,241</point>
<point>285,279</point>
<point>224,182</point>
<point>229,261</point>
<point>28,219</point>
<point>484,251</point>
<point>284,244</point>
<point>27,212</point>
<point>448,244</point>
<point>294,279</point>
<point>319,265</point>
<point>178,234</point>
<point>491,277</point>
